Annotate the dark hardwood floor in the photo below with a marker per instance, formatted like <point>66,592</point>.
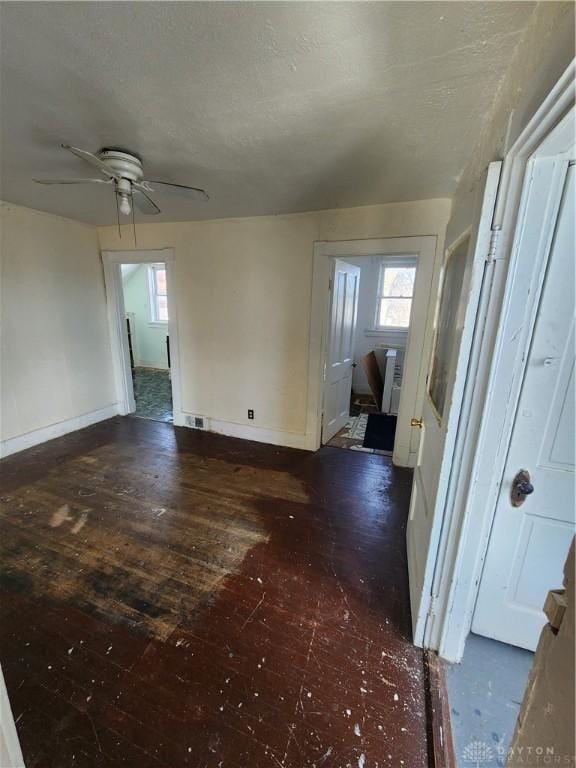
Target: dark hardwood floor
<point>175,598</point>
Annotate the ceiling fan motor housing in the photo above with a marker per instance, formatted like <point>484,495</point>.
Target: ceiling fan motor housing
<point>128,165</point>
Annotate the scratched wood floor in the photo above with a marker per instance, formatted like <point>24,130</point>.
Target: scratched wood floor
<point>173,598</point>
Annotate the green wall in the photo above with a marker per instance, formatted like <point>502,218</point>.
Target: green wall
<point>150,347</point>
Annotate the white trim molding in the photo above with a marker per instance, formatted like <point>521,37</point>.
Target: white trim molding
<point>42,435</point>
<point>505,319</point>
<point>419,335</point>
<point>117,327</point>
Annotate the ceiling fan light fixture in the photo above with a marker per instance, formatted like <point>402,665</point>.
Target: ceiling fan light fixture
<point>124,203</point>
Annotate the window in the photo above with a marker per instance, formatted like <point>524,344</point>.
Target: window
<point>158,296</point>
<point>395,293</point>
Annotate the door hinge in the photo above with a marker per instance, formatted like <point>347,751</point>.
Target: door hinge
<point>493,247</point>
<point>324,373</point>
<point>329,283</point>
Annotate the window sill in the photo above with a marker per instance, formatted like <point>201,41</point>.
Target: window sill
<point>399,332</point>
<point>158,324</point>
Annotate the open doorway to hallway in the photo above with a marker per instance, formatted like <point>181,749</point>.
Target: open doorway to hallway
<point>146,311</point>
<point>142,315</point>
<point>369,323</point>
<point>376,341</point>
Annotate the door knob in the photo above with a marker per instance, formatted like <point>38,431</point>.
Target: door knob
<point>416,423</point>
<point>521,487</point>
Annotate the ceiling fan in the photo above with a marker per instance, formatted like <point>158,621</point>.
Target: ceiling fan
<point>123,169</point>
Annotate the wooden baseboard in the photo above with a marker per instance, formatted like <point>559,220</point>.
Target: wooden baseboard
<point>43,434</point>
<point>440,743</point>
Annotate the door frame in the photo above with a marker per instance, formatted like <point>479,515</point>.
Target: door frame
<point>419,334</point>
<point>503,332</point>
<point>117,325</point>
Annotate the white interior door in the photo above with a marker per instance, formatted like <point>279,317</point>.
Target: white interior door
<point>338,372</point>
<point>529,543</point>
<point>463,272</point>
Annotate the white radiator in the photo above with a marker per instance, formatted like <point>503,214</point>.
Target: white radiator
<point>393,367</point>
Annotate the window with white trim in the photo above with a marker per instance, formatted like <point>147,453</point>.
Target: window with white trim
<point>395,294</point>
<point>157,293</point>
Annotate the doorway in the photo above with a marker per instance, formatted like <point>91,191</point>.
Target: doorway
<point>143,328</point>
<point>534,518</point>
<point>370,309</point>
<point>492,507</point>
<point>146,311</point>
<point>375,343</point>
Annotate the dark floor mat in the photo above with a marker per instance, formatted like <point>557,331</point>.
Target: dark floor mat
<point>380,432</point>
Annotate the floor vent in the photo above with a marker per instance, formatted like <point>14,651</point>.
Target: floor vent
<point>197,422</point>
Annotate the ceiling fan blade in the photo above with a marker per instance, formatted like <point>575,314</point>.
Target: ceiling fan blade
<point>144,203</point>
<point>93,160</point>
<point>73,181</point>
<point>193,193</point>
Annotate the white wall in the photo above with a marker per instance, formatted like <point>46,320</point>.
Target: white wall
<point>541,56</point>
<point>150,338</point>
<point>55,363</point>
<point>243,289</point>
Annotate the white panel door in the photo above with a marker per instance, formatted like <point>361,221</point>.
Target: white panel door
<point>338,373</point>
<point>529,543</point>
<point>463,272</point>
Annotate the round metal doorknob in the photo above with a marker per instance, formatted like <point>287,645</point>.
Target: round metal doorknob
<point>521,487</point>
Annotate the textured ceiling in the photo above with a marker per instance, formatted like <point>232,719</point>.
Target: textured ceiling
<point>272,107</point>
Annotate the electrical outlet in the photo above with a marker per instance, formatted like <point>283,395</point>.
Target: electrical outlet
<point>250,413</point>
